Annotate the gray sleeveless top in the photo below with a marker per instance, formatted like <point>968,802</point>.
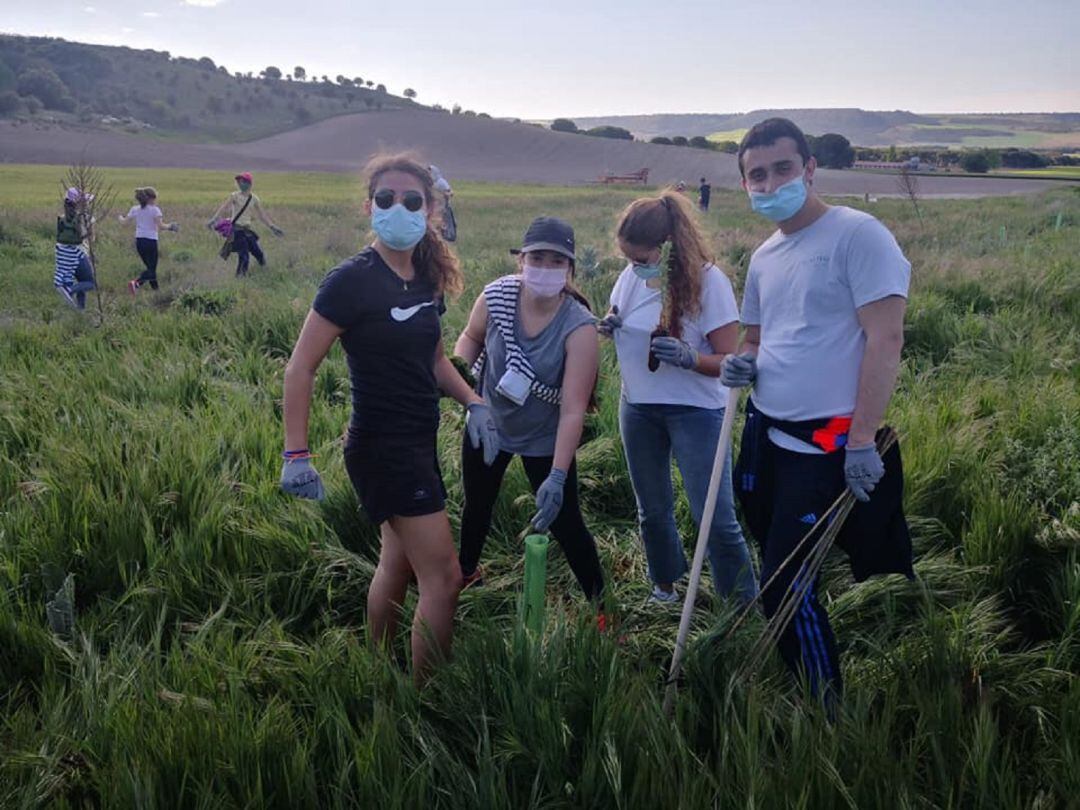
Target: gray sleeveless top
<point>529,429</point>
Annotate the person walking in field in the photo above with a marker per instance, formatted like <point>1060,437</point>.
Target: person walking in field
<point>73,275</point>
<point>672,326</point>
<point>384,306</point>
<point>540,354</point>
<point>240,206</point>
<point>448,229</point>
<point>148,221</point>
<point>823,310</point>
<point>704,195</point>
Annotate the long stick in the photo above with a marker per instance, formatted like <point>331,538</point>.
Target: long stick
<point>699,550</point>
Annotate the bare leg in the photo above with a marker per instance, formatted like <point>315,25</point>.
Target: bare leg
<point>386,594</point>
<point>429,548</point>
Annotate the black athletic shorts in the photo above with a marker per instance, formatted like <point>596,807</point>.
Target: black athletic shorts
<point>395,474</point>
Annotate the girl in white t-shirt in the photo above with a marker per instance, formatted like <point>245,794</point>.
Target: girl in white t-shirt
<point>672,327</point>
<point>148,220</point>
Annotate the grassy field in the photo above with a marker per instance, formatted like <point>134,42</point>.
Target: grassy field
<point>1066,172</point>
<point>218,657</point>
<point>729,135</point>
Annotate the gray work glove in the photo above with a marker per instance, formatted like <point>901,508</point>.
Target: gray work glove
<point>480,425</point>
<point>549,499</point>
<point>863,468</point>
<point>673,351</point>
<point>274,229</point>
<point>210,223</point>
<point>738,370</point>
<point>607,325</point>
<point>299,478</point>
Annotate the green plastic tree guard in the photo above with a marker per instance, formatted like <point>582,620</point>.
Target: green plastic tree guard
<point>532,605</point>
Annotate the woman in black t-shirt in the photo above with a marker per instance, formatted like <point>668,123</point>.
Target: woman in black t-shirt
<point>384,304</point>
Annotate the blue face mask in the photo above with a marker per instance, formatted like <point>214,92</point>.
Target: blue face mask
<point>397,227</point>
<point>784,203</point>
<point>646,272</point>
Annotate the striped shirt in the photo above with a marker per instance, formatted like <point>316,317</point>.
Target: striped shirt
<point>68,258</point>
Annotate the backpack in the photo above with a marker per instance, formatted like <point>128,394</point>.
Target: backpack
<point>68,231</point>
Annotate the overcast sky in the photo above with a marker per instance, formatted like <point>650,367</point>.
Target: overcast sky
<point>603,57</point>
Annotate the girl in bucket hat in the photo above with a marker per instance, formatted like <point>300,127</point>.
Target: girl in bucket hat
<point>538,353</point>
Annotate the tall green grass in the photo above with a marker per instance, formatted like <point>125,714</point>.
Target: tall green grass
<point>219,655</point>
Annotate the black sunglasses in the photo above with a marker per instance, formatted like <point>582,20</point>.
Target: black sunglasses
<point>412,200</point>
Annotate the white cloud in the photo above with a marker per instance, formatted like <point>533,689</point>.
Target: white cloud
<point>127,30</point>
<point>203,3</point>
<point>151,14</point>
<point>90,10</point>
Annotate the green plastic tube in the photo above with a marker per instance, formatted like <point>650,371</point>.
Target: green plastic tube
<point>532,605</point>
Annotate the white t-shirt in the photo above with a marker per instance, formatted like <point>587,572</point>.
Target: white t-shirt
<point>803,290</point>
<point>145,221</point>
<point>639,308</point>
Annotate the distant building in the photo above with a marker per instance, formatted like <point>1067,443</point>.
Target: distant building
<point>911,164</point>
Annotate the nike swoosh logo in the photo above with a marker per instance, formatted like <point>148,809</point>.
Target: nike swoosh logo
<point>401,315</point>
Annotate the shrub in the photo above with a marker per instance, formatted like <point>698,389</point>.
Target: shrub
<point>727,147</point>
<point>205,302</point>
<point>45,85</point>
<point>975,162</point>
<point>10,102</point>
<point>616,133</point>
<point>564,125</point>
<point>832,151</point>
<point>1023,159</point>
<point>7,77</point>
<point>679,140</point>
<point>699,142</point>
<point>660,139</point>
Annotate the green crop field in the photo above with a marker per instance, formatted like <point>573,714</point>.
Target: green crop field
<point>1067,172</point>
<point>219,656</point>
<point>729,135</point>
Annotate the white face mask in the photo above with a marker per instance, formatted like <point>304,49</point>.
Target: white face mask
<point>545,282</point>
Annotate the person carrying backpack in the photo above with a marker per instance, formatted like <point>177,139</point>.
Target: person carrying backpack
<point>241,237</point>
<point>73,276</point>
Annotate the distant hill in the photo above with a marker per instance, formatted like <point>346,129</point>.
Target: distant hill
<point>465,147</point>
<point>869,127</point>
<point>147,90</point>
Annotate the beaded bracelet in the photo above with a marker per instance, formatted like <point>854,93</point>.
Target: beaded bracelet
<point>292,455</point>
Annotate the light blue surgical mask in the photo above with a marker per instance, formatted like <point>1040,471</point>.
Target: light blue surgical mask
<point>397,227</point>
<point>783,203</point>
<point>646,272</point>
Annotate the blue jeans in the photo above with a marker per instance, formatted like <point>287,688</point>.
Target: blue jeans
<point>650,434</point>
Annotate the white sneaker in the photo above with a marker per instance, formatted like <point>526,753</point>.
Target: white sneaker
<point>661,597</point>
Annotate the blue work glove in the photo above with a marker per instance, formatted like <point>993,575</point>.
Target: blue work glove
<point>480,425</point>
<point>549,499</point>
<point>609,323</point>
<point>673,351</point>
<point>738,370</point>
<point>863,468</point>
<point>299,478</point>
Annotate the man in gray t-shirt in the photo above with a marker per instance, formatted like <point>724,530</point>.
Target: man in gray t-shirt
<point>823,309</point>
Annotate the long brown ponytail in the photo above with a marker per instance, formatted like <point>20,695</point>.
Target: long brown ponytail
<point>432,257</point>
<point>652,221</point>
